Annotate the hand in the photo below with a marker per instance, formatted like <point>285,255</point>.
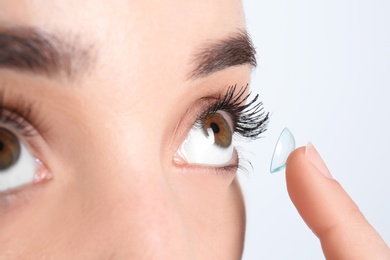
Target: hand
<point>329,211</point>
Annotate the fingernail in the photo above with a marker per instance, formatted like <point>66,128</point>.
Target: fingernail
<point>315,159</point>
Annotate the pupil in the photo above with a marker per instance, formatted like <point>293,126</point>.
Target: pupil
<point>215,127</point>
<point>1,146</point>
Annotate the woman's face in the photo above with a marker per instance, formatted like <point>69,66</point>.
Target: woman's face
<point>104,93</point>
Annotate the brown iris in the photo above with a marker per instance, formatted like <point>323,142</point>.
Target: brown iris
<point>9,149</point>
<point>222,132</point>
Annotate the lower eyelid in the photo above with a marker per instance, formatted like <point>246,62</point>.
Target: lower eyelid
<point>227,170</point>
<point>12,200</point>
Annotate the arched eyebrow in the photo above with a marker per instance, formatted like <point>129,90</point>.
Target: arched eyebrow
<point>237,49</point>
<point>31,50</point>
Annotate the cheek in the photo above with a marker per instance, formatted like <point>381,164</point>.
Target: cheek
<point>111,199</point>
<point>214,214</point>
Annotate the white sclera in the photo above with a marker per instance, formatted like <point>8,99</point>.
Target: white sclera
<point>21,173</point>
<point>200,148</point>
<point>284,146</point>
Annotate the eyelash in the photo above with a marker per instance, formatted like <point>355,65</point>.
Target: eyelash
<point>250,119</point>
<point>17,116</point>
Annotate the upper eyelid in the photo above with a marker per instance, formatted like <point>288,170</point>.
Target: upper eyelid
<point>23,117</point>
<point>221,102</point>
<point>228,100</point>
<point>25,132</point>
<point>22,113</point>
<point>16,121</point>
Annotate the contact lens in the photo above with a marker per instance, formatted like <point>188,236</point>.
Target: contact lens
<point>284,146</point>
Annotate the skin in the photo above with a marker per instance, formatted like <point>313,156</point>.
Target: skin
<point>109,136</point>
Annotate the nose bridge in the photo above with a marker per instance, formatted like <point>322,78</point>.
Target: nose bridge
<point>120,189</point>
<point>147,217</point>
<point>133,197</point>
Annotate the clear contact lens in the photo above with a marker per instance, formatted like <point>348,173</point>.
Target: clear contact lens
<point>284,146</point>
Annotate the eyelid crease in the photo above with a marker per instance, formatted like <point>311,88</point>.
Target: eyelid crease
<point>19,114</point>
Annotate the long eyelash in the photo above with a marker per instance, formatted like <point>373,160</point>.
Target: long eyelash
<point>17,116</point>
<point>249,117</point>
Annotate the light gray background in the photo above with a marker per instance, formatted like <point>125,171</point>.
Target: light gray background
<point>324,72</point>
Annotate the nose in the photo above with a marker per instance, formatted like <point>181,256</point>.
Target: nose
<point>134,207</point>
<point>115,199</point>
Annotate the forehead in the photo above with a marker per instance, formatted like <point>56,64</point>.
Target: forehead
<point>135,34</point>
<point>98,15</point>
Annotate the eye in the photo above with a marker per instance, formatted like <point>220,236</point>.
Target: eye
<point>17,166</point>
<point>209,142</point>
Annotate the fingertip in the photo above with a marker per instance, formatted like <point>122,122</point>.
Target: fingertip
<point>295,155</point>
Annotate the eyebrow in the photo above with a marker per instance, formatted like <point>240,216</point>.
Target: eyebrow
<point>235,50</point>
<point>29,49</point>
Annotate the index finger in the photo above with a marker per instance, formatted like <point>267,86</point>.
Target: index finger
<point>329,211</point>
